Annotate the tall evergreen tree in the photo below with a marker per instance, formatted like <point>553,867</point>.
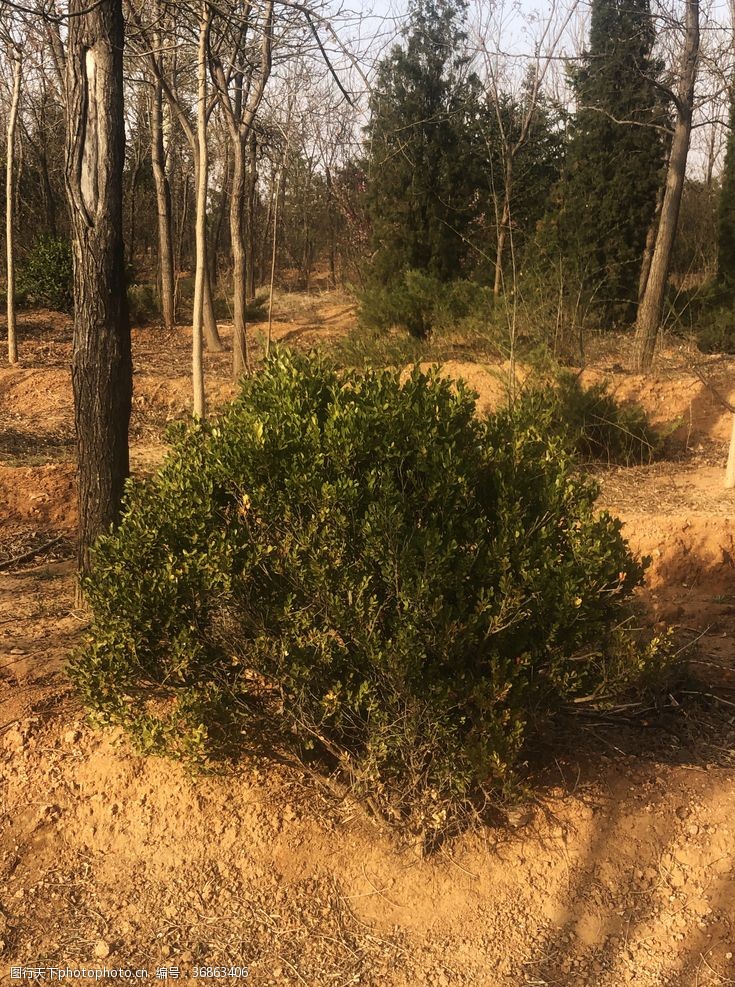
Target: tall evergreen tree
<point>423,147</point>
<point>615,158</point>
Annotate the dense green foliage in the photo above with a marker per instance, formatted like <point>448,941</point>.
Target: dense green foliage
<point>46,277</point>
<point>606,200</point>
<point>424,148</point>
<point>437,150</point>
<point>359,570</point>
<point>593,426</point>
<point>420,303</point>
<point>143,305</point>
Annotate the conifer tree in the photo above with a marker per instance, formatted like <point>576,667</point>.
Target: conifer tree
<point>424,148</point>
<point>615,158</point>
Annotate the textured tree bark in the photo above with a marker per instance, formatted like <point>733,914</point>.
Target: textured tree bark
<point>101,360</point>
<point>163,203</point>
<point>650,245</point>
<point>651,307</point>
<point>200,279</point>
<point>10,209</point>
<point>49,199</point>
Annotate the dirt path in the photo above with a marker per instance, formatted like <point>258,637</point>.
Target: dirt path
<point>621,872</point>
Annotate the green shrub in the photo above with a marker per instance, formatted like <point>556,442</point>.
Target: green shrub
<point>47,277</point>
<point>593,426</point>
<point>369,348</point>
<point>716,330</point>
<point>362,572</point>
<point>256,309</point>
<point>143,304</point>
<point>420,303</point>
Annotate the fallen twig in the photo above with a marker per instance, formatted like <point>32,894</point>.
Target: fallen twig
<point>30,553</point>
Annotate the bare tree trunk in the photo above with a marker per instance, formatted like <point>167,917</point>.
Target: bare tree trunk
<point>101,360</point>
<point>201,280</point>
<point>10,208</point>
<point>273,258</point>
<point>252,185</point>
<point>503,225</point>
<point>331,230</point>
<point>224,195</point>
<point>650,245</point>
<point>135,178</point>
<point>163,203</point>
<point>239,110</point>
<point>240,354</point>
<point>49,200</point>
<point>211,332</point>
<point>183,254</point>
<point>265,239</point>
<point>651,308</point>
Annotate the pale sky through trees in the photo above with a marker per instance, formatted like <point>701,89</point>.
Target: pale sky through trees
<point>511,30</point>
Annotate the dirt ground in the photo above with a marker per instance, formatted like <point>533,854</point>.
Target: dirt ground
<point>620,872</point>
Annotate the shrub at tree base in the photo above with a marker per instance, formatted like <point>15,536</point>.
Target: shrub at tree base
<point>363,572</point>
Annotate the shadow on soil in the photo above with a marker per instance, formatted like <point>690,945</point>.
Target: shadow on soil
<point>651,863</point>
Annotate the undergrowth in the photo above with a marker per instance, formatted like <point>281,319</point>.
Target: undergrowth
<point>594,427</point>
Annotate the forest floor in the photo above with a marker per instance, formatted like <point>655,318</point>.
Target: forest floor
<point>619,871</point>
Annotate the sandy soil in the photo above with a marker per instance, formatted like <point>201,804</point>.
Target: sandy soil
<point>621,871</point>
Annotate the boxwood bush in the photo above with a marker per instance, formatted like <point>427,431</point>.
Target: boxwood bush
<point>359,571</point>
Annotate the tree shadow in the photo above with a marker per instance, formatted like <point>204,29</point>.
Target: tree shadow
<point>648,844</point>
<point>30,448</point>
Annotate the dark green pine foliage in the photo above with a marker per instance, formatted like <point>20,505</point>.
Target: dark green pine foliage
<point>536,167</point>
<point>608,194</point>
<point>726,218</point>
<point>424,149</point>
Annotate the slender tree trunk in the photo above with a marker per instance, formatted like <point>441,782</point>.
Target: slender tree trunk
<point>221,210</point>
<point>651,308</point>
<point>101,360</point>
<point>202,168</point>
<point>273,261</point>
<point>265,239</point>
<point>650,245</point>
<point>135,178</point>
<point>163,204</point>
<point>183,225</point>
<point>252,186</point>
<point>240,354</point>
<point>331,230</point>
<point>503,229</point>
<point>10,209</point>
<point>49,200</point>
<point>211,332</point>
